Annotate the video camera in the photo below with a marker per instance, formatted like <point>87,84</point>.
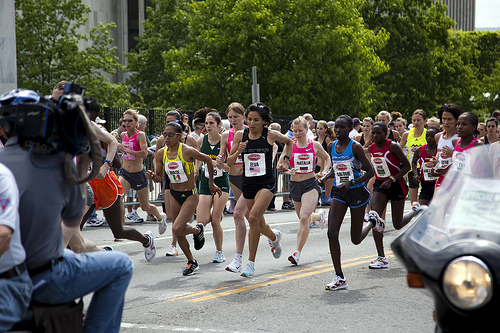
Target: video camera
<point>44,126</point>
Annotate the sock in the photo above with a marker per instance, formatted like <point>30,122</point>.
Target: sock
<point>251,263</point>
<point>149,241</point>
<point>239,257</point>
<point>340,275</point>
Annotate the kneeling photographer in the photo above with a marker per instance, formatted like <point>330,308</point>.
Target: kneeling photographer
<point>44,137</point>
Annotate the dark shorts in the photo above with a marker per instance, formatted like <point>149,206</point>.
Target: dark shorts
<point>299,188</point>
<point>236,181</point>
<point>250,190</point>
<point>427,191</point>
<point>397,191</point>
<point>354,198</point>
<point>181,196</point>
<point>222,182</point>
<point>411,183</point>
<point>137,180</point>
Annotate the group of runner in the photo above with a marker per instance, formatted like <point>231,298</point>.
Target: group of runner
<point>361,172</point>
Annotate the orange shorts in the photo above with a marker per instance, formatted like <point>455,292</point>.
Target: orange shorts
<point>106,190</point>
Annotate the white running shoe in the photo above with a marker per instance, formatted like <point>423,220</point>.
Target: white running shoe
<point>275,246</point>
<point>234,266</point>
<point>249,270</point>
<point>337,283</point>
<point>322,221</point>
<point>379,262</point>
<point>162,225</point>
<point>415,205</point>
<point>172,252</point>
<point>294,258</point>
<point>150,250</point>
<point>219,257</point>
<point>375,219</point>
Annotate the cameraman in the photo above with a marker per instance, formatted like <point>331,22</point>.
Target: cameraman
<point>15,283</point>
<point>60,276</point>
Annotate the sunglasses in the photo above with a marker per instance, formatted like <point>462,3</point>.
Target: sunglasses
<point>128,120</point>
<point>169,134</point>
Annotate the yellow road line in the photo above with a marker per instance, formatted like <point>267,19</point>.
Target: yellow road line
<point>279,278</point>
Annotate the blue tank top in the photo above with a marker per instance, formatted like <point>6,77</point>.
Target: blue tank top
<point>346,163</point>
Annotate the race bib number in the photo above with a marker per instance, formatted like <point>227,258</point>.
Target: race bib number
<point>303,163</point>
<point>380,166</point>
<point>461,162</point>
<point>426,169</point>
<point>175,172</point>
<point>443,161</point>
<point>217,172</point>
<point>255,164</point>
<point>343,173</point>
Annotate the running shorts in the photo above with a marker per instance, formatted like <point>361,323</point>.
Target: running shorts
<point>250,190</point>
<point>137,180</point>
<point>397,191</point>
<point>106,190</point>
<point>222,182</point>
<point>237,181</point>
<point>299,188</point>
<point>353,198</point>
<point>181,196</point>
<point>427,191</point>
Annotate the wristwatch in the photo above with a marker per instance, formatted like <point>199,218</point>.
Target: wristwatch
<point>352,182</point>
<point>393,179</point>
<point>108,161</point>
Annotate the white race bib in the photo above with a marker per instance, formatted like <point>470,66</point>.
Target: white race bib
<point>255,164</point>
<point>303,162</point>
<point>217,172</point>
<point>175,172</point>
<point>343,173</point>
<point>381,167</point>
<point>461,162</point>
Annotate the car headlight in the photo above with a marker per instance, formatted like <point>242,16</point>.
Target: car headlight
<point>467,283</point>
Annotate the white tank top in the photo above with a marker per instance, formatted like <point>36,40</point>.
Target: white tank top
<point>444,161</point>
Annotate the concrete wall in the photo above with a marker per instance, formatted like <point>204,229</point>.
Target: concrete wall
<point>8,70</point>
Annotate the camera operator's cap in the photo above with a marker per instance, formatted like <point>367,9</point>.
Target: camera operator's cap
<point>356,122</point>
<point>18,96</point>
<point>99,120</point>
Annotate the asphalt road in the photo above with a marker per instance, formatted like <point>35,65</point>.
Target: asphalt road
<point>280,297</point>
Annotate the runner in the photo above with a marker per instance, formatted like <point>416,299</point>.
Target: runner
<point>390,165</point>
<point>348,190</point>
<point>210,208</point>
<point>255,144</point>
<point>176,161</point>
<point>236,116</point>
<point>424,157</point>
<point>304,188</point>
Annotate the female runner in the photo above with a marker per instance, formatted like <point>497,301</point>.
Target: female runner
<point>210,208</point>
<point>255,144</point>
<point>132,174</point>
<point>413,139</point>
<point>176,161</point>
<point>348,190</point>
<point>424,157</point>
<point>491,131</point>
<point>304,188</point>
<point>390,165</point>
<point>324,135</point>
<point>236,116</point>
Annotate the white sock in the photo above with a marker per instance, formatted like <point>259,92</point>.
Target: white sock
<point>239,257</point>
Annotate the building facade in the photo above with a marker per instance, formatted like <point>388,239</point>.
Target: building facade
<point>463,12</point>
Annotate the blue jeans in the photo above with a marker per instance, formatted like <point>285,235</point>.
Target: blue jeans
<point>15,295</point>
<point>107,274</point>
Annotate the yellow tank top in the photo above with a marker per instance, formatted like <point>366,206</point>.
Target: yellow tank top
<point>174,170</point>
<point>413,143</point>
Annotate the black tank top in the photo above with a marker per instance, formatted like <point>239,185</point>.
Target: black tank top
<point>259,146</point>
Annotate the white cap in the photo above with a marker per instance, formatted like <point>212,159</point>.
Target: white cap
<point>99,120</point>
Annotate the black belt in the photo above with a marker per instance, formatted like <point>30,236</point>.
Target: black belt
<point>44,267</point>
<point>14,271</point>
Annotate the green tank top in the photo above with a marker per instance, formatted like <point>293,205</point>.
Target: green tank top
<point>212,151</point>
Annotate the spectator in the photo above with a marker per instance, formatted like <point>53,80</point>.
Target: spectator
<point>355,128</point>
<point>312,126</point>
<point>117,133</point>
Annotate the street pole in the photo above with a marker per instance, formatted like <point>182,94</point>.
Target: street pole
<point>255,86</point>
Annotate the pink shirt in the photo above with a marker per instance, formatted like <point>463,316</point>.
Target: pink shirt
<point>302,159</point>
<point>132,144</point>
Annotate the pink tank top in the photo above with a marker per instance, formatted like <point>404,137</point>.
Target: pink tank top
<point>463,161</point>
<point>132,144</point>
<point>230,137</point>
<point>302,159</point>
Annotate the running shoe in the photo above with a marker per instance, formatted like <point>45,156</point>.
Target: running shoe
<point>162,225</point>
<point>172,252</point>
<point>415,205</point>
<point>275,246</point>
<point>191,268</point>
<point>95,222</point>
<point>219,257</point>
<point>337,283</point>
<point>313,225</point>
<point>151,218</point>
<point>234,266</point>
<point>322,221</point>
<point>150,249</point>
<point>378,223</point>
<point>248,272</point>
<point>199,238</point>
<point>136,218</point>
<point>379,262</point>
<point>294,258</point>
<point>107,248</point>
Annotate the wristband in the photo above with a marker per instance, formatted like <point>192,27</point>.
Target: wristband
<point>108,161</point>
<point>393,179</point>
<point>352,182</point>
<point>286,156</point>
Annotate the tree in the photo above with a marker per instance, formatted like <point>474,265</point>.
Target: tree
<point>47,49</point>
<point>312,55</point>
<point>425,72</point>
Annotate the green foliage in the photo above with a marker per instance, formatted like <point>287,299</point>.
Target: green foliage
<point>47,35</point>
<point>312,55</point>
